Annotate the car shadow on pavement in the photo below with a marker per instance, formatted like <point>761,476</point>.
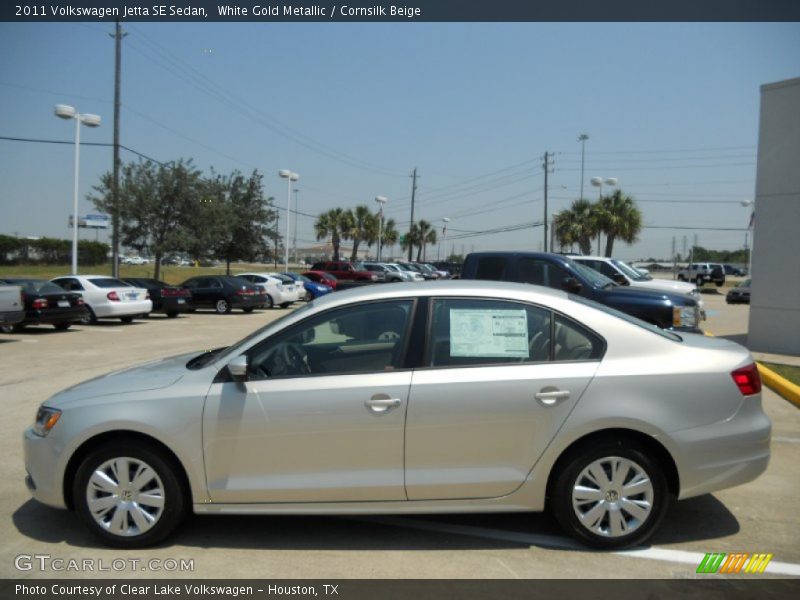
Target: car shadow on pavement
<point>697,519</point>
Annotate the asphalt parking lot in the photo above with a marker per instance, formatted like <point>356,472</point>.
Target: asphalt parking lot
<point>758,517</point>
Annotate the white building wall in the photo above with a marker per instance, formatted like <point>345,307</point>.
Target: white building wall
<point>775,298</point>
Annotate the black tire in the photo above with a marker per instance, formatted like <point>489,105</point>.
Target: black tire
<point>164,484</point>
<point>651,503</point>
<point>286,305</point>
<point>128,319</point>
<point>171,314</point>
<point>222,306</point>
<point>89,318</point>
<point>10,328</point>
<point>719,283</point>
<point>699,281</point>
<point>63,326</point>
<point>249,309</point>
<point>270,303</point>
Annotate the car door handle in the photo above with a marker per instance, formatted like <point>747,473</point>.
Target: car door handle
<point>549,396</point>
<point>381,403</point>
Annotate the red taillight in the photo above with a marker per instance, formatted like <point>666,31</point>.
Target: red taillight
<point>39,303</point>
<point>245,292</point>
<point>112,296</point>
<point>747,379</point>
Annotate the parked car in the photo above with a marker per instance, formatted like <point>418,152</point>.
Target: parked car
<point>275,289</point>
<point>323,277</point>
<point>345,270</point>
<point>739,294</point>
<point>135,260</point>
<point>45,304</point>
<point>412,270</point>
<point>417,268</point>
<point>664,309</point>
<point>401,274</point>
<point>734,270</point>
<point>223,293</point>
<point>469,396</point>
<point>313,289</point>
<point>12,305</point>
<point>107,297</point>
<point>169,299</point>
<point>624,274</point>
<point>379,269</point>
<point>702,273</point>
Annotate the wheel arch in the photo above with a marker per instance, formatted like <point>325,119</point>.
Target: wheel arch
<point>623,437</point>
<point>121,436</point>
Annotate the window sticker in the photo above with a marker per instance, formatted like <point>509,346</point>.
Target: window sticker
<point>489,333</point>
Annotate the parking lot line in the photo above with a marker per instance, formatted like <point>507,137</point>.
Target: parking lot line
<point>556,542</point>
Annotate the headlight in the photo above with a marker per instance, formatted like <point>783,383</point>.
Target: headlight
<point>46,418</point>
<point>685,316</point>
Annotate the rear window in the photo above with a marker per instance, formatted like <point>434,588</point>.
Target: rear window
<point>108,282</point>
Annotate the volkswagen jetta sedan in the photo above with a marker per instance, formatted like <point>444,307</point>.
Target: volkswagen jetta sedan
<point>437,397</point>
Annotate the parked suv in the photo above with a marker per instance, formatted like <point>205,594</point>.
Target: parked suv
<point>702,273</point>
<point>665,309</point>
<point>345,270</point>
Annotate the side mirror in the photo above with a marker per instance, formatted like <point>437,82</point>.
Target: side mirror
<point>572,285</point>
<point>238,368</point>
<point>620,279</point>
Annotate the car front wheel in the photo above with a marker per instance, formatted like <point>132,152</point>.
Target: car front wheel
<point>610,496</point>
<point>129,496</point>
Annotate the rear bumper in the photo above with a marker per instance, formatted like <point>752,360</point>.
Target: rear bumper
<point>724,454</point>
<point>174,304</point>
<point>55,315</point>
<point>122,309</point>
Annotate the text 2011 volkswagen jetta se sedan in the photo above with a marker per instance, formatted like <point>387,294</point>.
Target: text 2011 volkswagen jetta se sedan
<point>427,398</point>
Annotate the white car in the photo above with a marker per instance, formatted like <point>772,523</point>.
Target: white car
<point>279,292</point>
<point>135,260</point>
<point>412,275</point>
<point>108,298</point>
<point>624,274</point>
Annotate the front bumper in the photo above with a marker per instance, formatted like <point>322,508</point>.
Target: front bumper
<point>43,473</point>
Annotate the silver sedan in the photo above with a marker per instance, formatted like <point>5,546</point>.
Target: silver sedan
<point>439,397</point>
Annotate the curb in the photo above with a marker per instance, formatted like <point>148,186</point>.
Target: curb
<point>783,387</point>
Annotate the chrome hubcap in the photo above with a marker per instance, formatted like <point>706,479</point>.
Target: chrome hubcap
<point>613,496</point>
<point>125,496</point>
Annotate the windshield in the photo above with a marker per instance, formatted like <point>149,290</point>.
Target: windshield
<point>629,271</point>
<point>595,278</point>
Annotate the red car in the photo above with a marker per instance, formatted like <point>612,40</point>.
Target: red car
<point>322,277</point>
<point>346,270</point>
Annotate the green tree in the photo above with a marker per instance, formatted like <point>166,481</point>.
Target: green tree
<point>426,234</point>
<point>618,217</point>
<point>247,217</point>
<point>334,224</point>
<point>363,227</point>
<point>389,235</point>
<point>154,202</point>
<point>576,225</point>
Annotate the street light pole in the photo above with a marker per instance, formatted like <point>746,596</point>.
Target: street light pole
<point>381,200</point>
<point>64,111</point>
<point>444,235</point>
<point>582,139</point>
<point>290,177</point>
<point>598,182</point>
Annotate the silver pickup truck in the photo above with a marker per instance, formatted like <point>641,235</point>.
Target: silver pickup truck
<point>12,305</point>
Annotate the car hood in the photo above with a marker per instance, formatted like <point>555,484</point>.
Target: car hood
<point>630,294</point>
<point>664,285</point>
<point>153,375</point>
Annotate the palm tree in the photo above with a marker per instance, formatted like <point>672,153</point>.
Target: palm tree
<point>334,224</point>
<point>577,225</point>
<point>618,217</point>
<point>426,234</point>
<point>363,228</point>
<point>389,235</point>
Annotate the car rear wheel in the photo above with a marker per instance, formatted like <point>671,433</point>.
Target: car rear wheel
<point>62,326</point>
<point>172,314</point>
<point>10,328</point>
<point>89,318</point>
<point>699,281</point>
<point>128,319</point>
<point>249,309</point>
<point>270,302</point>
<point>129,495</point>
<point>222,306</point>
<point>610,496</point>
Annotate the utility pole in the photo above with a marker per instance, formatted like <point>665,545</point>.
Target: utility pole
<point>411,227</point>
<point>546,166</point>
<point>582,139</point>
<point>117,35</point>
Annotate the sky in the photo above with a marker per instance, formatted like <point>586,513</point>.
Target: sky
<point>671,111</point>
